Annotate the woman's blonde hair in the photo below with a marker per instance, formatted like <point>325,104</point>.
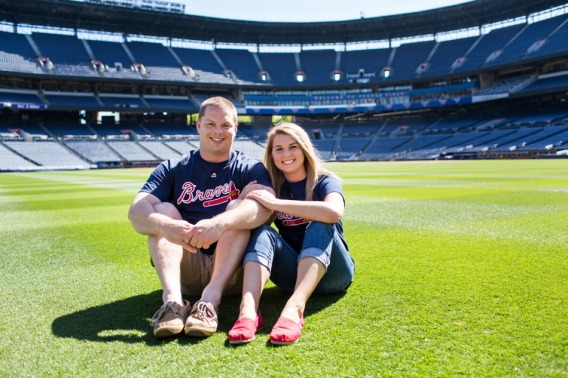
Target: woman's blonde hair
<point>313,163</point>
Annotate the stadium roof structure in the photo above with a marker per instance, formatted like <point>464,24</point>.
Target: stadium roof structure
<point>91,16</point>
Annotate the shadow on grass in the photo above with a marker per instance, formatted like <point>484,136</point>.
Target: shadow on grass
<point>127,320</point>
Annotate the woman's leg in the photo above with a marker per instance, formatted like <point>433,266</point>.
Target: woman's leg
<point>313,261</point>
<point>340,271</point>
<point>325,267</point>
<point>310,272</point>
<point>255,278</point>
<point>284,270</point>
<point>257,264</point>
<point>311,267</point>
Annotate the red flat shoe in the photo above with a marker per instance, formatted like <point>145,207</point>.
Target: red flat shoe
<point>244,329</point>
<point>286,331</point>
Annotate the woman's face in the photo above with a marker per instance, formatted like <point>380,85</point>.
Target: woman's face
<point>288,157</point>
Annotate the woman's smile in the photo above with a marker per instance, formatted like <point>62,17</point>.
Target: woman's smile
<point>289,157</point>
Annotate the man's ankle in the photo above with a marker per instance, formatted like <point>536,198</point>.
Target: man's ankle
<point>211,297</point>
<point>173,298</point>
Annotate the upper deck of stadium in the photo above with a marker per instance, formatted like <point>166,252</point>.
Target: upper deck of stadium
<point>74,15</point>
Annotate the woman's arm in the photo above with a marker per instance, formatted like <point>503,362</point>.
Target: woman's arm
<point>330,210</point>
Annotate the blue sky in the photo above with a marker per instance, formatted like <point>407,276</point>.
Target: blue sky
<point>307,10</point>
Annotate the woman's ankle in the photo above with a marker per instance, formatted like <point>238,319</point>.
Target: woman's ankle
<point>293,312</point>
<point>248,312</point>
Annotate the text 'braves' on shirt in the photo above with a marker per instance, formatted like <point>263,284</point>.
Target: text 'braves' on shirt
<point>210,197</point>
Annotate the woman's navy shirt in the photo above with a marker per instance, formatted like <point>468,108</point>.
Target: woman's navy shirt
<point>291,228</point>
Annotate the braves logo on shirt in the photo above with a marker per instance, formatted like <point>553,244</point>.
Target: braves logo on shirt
<point>210,197</point>
<point>290,220</point>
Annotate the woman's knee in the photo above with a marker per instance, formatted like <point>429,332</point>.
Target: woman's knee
<point>318,228</point>
<point>261,246</point>
<point>263,240</point>
<point>264,232</point>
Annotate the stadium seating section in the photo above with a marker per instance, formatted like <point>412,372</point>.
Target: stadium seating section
<point>73,145</point>
<point>71,56</point>
<point>70,146</point>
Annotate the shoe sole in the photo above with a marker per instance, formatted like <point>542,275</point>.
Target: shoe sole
<point>199,332</point>
<point>238,342</point>
<point>161,333</point>
<point>283,342</point>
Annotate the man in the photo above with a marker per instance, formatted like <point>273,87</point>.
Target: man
<point>197,226</point>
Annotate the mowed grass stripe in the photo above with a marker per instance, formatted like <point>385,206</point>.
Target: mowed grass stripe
<point>124,182</point>
<point>61,262</point>
<point>497,294</point>
<point>437,291</point>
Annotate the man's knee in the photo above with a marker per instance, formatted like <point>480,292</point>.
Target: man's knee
<point>236,238</point>
<point>168,209</point>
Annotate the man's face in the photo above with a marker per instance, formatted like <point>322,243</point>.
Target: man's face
<point>216,129</point>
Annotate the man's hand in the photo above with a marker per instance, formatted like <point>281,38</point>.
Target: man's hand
<point>175,233</point>
<point>203,234</point>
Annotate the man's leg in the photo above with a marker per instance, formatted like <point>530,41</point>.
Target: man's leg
<point>166,257</point>
<point>228,257</point>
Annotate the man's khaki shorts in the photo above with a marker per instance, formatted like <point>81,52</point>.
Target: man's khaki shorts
<point>196,270</point>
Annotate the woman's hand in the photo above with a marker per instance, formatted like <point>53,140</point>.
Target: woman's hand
<point>264,197</point>
<point>250,187</point>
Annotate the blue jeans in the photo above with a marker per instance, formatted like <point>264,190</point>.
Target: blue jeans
<point>321,241</point>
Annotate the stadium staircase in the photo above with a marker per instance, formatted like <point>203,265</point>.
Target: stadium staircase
<point>562,130</point>
<point>374,137</point>
<point>428,59</point>
<point>73,152</point>
<point>15,152</point>
<point>465,56</point>
<point>494,57</point>
<point>147,150</point>
<point>47,131</point>
<point>145,102</point>
<point>548,37</point>
<point>337,141</point>
<point>194,101</point>
<point>42,97</point>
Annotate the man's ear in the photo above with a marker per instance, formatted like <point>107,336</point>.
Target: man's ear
<point>198,126</point>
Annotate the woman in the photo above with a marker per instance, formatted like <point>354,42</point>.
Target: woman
<point>309,254</point>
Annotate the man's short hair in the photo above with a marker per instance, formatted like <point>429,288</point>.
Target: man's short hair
<point>219,102</point>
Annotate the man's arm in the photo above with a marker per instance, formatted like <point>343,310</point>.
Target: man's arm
<point>147,221</point>
<point>244,214</point>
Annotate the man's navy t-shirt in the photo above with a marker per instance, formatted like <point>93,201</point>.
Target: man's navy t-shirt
<point>200,189</point>
<point>291,228</point>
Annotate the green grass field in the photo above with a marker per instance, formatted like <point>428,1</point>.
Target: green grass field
<point>461,269</point>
